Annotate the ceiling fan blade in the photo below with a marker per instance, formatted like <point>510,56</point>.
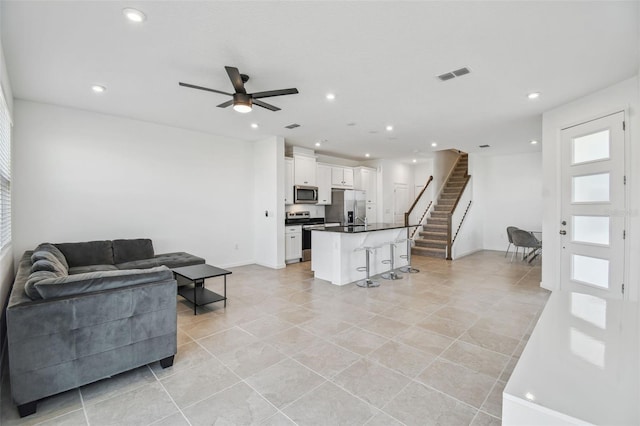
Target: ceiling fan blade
<point>236,80</point>
<point>192,86</point>
<point>225,104</point>
<point>271,93</point>
<point>265,105</point>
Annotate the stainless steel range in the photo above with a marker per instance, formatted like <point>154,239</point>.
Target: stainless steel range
<point>308,223</point>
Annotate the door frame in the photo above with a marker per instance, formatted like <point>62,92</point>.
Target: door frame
<point>552,172</point>
<point>616,251</point>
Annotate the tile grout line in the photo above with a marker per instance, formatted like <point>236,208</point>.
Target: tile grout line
<point>170,397</point>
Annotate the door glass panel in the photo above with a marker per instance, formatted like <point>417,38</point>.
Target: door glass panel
<point>591,147</point>
<point>591,229</point>
<point>590,270</point>
<point>590,188</point>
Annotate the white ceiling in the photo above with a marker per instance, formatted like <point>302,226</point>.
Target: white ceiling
<point>379,58</point>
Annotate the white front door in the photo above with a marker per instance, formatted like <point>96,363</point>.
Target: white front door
<point>400,201</point>
<point>593,207</point>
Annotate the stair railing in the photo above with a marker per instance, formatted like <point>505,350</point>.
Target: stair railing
<point>421,220</point>
<point>450,237</point>
<point>424,188</point>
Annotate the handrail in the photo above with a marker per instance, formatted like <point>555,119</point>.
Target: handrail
<point>406,214</point>
<point>450,215</point>
<point>421,220</point>
<point>461,221</point>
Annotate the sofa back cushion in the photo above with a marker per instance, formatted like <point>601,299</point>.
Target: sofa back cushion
<point>87,253</point>
<point>48,247</point>
<point>97,281</point>
<point>131,250</point>
<point>46,261</point>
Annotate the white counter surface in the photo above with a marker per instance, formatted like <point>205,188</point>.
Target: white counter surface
<point>580,366</point>
<point>335,258</point>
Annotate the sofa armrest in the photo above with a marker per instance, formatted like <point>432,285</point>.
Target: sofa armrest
<point>66,342</point>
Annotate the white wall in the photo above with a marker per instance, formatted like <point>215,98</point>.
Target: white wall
<point>393,172</point>
<point>268,211</point>
<point>623,95</point>
<point>443,161</point>
<point>507,192</point>
<point>82,176</point>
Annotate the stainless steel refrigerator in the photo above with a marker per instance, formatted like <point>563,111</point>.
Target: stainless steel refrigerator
<point>348,206</point>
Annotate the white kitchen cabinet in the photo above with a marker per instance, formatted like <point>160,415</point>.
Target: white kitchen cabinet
<point>288,181</point>
<point>341,177</point>
<point>366,179</point>
<point>293,243</point>
<point>324,184</point>
<point>304,169</point>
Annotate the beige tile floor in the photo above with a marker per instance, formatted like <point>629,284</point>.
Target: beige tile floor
<point>436,347</point>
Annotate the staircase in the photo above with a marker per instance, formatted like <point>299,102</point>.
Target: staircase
<point>432,240</point>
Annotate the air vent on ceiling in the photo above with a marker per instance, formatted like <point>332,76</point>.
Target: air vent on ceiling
<point>292,126</point>
<point>484,146</point>
<point>453,74</point>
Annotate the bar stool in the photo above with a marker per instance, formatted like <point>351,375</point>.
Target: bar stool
<point>408,269</point>
<point>367,282</point>
<point>391,275</point>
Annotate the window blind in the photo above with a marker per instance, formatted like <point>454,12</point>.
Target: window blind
<point>5,173</point>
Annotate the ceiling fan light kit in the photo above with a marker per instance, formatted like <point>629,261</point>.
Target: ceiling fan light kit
<point>242,101</point>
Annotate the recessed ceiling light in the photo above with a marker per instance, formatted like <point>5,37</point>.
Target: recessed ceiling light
<point>414,160</point>
<point>434,144</point>
<point>98,89</point>
<point>389,128</point>
<point>254,125</point>
<point>331,96</point>
<point>534,142</point>
<point>317,143</point>
<point>533,95</point>
<point>367,155</point>
<point>134,15</point>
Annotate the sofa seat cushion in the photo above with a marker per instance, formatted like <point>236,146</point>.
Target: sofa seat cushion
<point>87,253</point>
<point>131,250</point>
<point>97,281</point>
<point>170,260</point>
<point>91,268</point>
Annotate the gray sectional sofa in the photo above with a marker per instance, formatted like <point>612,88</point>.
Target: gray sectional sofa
<point>81,312</point>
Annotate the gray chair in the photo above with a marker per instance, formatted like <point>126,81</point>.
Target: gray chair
<point>526,240</point>
<point>510,229</point>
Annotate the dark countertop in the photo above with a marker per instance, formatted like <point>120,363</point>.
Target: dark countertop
<point>361,228</point>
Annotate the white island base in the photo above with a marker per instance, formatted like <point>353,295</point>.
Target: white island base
<point>334,258</point>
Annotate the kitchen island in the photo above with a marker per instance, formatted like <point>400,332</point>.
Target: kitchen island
<point>334,257</point>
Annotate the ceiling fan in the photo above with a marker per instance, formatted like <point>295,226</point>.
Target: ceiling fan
<point>243,101</point>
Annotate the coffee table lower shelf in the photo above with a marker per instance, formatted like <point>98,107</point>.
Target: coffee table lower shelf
<point>200,296</point>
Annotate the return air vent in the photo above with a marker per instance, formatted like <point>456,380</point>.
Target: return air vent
<point>453,74</point>
<point>484,146</point>
<point>292,126</point>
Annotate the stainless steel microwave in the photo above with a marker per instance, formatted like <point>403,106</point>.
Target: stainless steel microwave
<point>305,194</point>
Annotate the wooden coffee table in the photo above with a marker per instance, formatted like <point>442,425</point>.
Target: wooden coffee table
<point>198,294</point>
